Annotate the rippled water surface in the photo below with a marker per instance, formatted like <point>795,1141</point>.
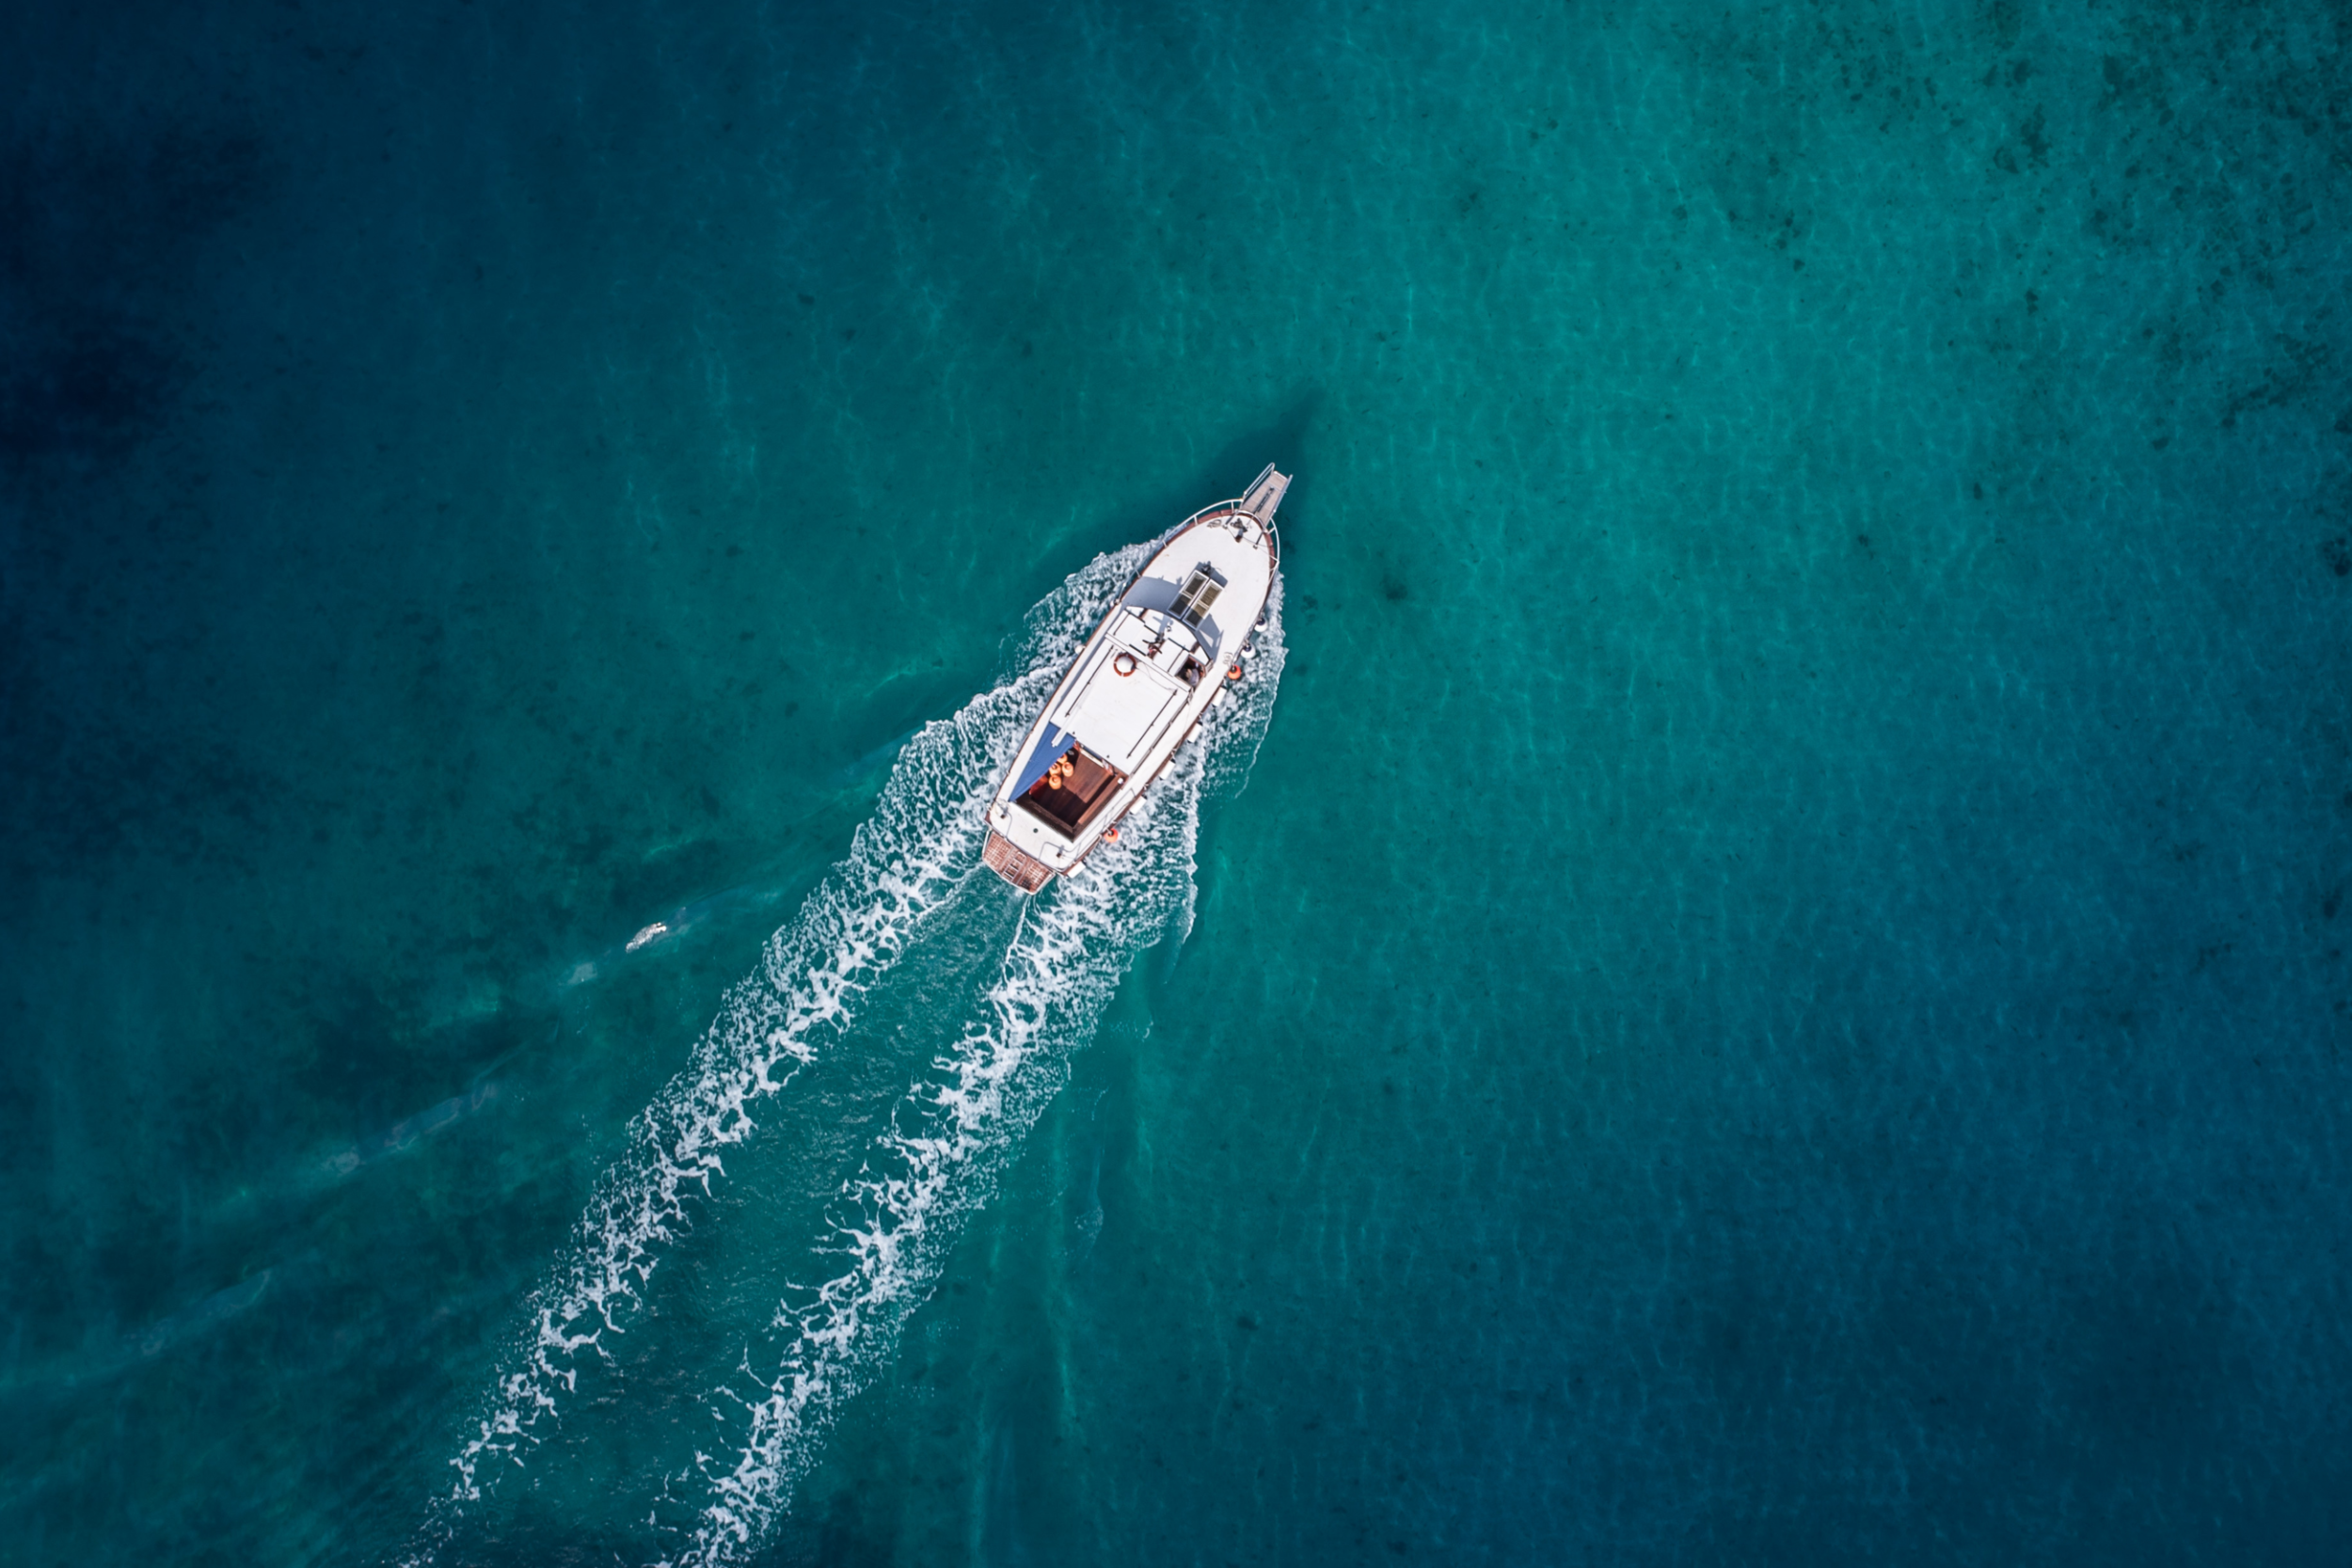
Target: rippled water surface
<point>1759,978</point>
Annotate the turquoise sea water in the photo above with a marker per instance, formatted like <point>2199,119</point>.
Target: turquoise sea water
<point>1762,978</point>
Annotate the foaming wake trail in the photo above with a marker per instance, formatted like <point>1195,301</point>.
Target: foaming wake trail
<point>949,1135</point>
<point>903,865</point>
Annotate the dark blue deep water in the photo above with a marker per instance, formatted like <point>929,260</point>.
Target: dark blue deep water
<point>1771,989</point>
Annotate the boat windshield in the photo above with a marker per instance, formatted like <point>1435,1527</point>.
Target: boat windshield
<point>1199,593</point>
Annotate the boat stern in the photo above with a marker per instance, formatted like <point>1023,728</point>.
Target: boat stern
<point>1015,865</point>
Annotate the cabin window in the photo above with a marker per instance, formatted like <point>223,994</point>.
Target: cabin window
<point>1199,593</point>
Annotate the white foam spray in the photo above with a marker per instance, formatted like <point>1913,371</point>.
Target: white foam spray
<point>949,1134</point>
<point>939,1159</point>
<point>904,864</point>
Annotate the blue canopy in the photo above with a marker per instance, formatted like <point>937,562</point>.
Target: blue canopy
<point>1050,747</point>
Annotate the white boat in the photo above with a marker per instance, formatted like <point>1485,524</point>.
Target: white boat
<point>1171,647</point>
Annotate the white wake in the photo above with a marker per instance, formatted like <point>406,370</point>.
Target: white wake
<point>939,1158</point>
<point>950,1133</point>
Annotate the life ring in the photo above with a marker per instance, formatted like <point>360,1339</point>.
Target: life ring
<point>1124,664</point>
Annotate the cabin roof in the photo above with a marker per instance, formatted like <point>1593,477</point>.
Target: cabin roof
<point>1133,685</point>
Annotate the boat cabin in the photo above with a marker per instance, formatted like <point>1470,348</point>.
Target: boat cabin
<point>1137,681</point>
<point>1140,687</point>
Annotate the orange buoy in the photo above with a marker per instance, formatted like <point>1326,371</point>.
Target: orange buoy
<point>1112,836</point>
<point>1234,673</point>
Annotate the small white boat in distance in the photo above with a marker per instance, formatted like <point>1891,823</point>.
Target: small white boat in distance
<point>1138,689</point>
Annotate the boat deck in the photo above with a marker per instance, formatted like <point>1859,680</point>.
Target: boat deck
<point>1137,689</point>
<point>1072,805</point>
<point>1022,871</point>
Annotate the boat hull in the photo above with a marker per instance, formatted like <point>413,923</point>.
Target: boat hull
<point>1137,691</point>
